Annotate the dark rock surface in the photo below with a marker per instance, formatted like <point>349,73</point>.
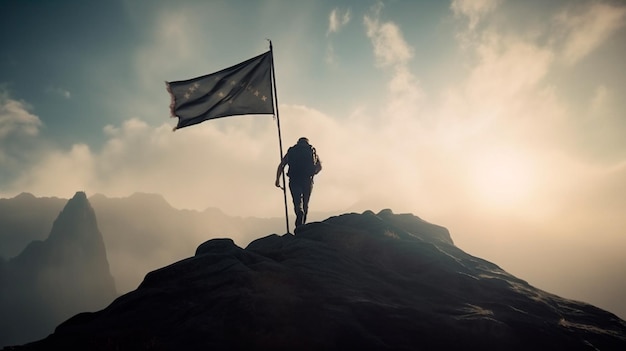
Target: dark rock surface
<point>357,281</point>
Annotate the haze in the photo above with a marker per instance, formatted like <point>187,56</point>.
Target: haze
<point>500,120</point>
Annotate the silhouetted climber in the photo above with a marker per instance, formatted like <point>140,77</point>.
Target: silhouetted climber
<point>303,165</point>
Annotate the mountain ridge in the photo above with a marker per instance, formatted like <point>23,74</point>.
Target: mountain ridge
<point>137,229</point>
<point>146,237</point>
<point>366,281</point>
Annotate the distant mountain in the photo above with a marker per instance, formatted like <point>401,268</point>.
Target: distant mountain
<point>352,282</point>
<point>141,232</point>
<point>25,218</point>
<point>53,279</point>
<point>144,232</point>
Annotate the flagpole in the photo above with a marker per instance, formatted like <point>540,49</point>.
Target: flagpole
<point>280,139</point>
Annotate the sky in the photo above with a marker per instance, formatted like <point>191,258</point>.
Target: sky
<point>500,120</point>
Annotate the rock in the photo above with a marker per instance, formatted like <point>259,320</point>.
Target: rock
<point>356,281</point>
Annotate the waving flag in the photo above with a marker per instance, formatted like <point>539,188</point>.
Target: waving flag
<point>245,88</point>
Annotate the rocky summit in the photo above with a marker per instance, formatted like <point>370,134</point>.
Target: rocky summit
<point>357,281</point>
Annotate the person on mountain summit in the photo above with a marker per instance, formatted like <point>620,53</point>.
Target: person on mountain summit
<point>303,166</point>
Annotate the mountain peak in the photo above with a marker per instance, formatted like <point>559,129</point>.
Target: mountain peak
<point>355,281</point>
<point>79,196</point>
<point>25,195</point>
<point>387,224</point>
<point>152,197</point>
<point>66,273</point>
<point>76,220</point>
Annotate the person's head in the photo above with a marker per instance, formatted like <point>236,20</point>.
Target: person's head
<point>303,140</point>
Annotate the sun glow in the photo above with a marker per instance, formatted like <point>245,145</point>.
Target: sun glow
<point>502,178</point>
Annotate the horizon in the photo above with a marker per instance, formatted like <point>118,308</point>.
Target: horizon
<point>499,120</point>
<point>374,282</point>
<point>591,297</point>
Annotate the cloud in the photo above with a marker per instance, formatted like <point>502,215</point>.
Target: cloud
<point>390,48</point>
<point>474,10</point>
<point>64,171</point>
<point>19,142</point>
<point>586,27</point>
<point>337,20</point>
<point>213,164</point>
<point>503,102</point>
<point>505,85</point>
<point>511,86</point>
<point>15,118</point>
<point>512,129</point>
<point>171,45</point>
<point>601,108</point>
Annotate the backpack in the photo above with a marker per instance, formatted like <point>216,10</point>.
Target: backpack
<point>302,160</point>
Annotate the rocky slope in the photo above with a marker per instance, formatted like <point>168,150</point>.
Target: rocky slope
<point>357,281</point>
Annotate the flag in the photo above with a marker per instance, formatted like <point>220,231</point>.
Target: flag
<point>245,88</point>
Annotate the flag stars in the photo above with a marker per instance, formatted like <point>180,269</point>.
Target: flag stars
<point>191,90</point>
<point>241,89</point>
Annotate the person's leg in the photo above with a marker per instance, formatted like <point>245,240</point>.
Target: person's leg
<point>307,188</point>
<point>295,187</point>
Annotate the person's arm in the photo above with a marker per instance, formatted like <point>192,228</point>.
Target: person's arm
<point>279,171</point>
<point>318,166</point>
